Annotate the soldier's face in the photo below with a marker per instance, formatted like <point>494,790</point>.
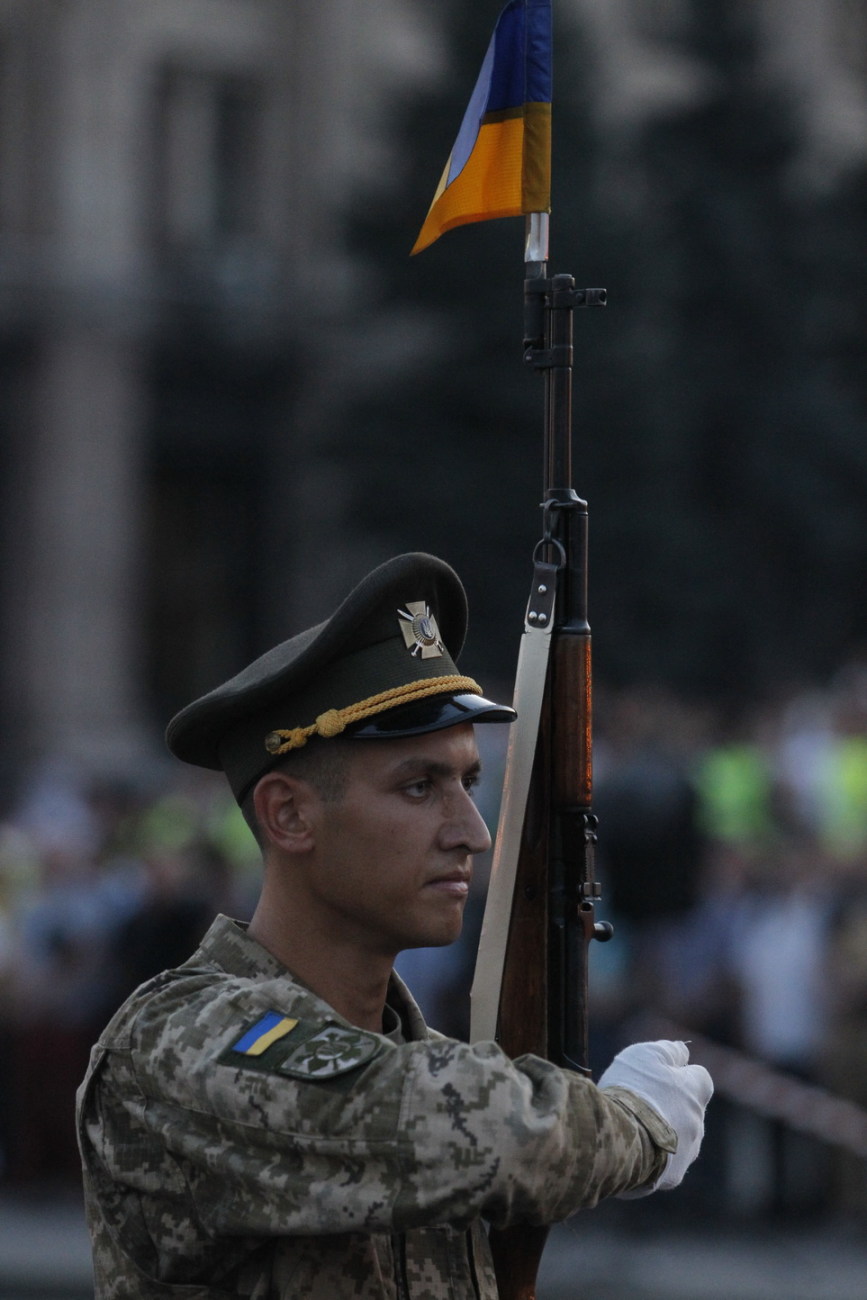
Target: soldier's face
<point>393,857</point>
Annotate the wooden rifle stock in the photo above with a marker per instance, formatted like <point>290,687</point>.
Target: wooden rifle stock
<point>543,990</point>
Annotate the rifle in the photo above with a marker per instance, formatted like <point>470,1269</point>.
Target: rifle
<point>530,986</point>
<point>531,983</point>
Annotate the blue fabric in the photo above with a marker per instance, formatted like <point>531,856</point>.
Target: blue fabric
<point>516,70</point>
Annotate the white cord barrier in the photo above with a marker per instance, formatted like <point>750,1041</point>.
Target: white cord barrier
<point>773,1093</point>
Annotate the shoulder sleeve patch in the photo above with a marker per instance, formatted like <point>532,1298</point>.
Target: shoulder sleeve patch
<point>300,1049</point>
<point>334,1050</point>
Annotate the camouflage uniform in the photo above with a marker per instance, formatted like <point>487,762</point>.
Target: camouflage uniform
<point>239,1138</point>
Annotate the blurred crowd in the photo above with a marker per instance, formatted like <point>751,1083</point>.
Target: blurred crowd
<point>733,856</point>
<point>102,885</point>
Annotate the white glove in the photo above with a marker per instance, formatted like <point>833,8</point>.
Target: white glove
<point>679,1092</point>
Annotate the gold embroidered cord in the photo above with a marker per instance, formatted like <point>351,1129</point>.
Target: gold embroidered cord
<point>333,721</point>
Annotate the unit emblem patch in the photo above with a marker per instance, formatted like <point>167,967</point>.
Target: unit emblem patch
<point>333,1050</point>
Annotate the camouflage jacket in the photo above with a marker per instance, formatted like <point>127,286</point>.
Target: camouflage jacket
<point>240,1139</point>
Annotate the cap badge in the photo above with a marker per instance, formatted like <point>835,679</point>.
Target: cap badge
<point>420,631</point>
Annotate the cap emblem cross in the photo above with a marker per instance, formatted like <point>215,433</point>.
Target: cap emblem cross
<point>420,631</point>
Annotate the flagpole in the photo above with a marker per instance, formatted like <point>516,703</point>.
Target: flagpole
<point>536,243</point>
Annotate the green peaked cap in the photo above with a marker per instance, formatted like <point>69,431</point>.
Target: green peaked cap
<point>383,665</point>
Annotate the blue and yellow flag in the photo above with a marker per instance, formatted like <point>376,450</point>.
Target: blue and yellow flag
<point>500,165</point>
<point>259,1037</point>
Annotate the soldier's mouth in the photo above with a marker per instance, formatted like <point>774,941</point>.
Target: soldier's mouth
<point>456,884</point>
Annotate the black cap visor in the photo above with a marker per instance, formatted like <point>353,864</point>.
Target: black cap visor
<point>431,714</point>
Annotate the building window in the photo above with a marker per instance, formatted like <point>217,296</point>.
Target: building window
<point>208,136</point>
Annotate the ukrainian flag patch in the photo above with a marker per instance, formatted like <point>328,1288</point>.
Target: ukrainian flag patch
<point>328,1054</point>
<point>267,1030</point>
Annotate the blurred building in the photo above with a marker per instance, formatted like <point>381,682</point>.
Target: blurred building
<point>174,293</point>
<point>172,175</point>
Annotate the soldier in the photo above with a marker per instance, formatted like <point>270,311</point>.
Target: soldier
<point>274,1119</point>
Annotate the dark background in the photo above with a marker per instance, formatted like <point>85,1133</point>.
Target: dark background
<point>720,399</point>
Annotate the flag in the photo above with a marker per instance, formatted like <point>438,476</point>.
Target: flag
<point>259,1037</point>
<point>500,165</point>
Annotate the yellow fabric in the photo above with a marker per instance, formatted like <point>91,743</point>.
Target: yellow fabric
<point>506,174</point>
<point>333,721</point>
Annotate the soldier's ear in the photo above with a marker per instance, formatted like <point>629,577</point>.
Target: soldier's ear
<point>284,811</point>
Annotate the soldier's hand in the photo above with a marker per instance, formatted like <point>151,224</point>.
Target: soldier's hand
<point>661,1074</point>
